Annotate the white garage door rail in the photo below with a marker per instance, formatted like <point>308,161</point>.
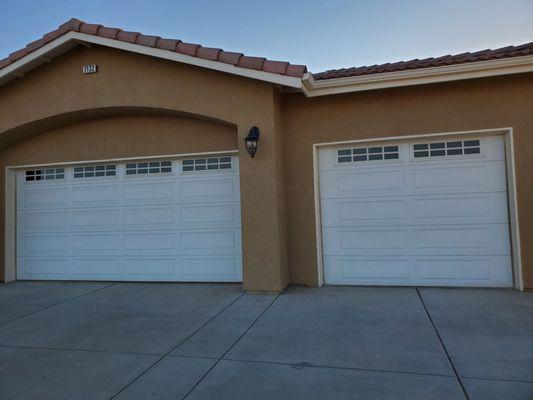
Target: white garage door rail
<point>423,213</point>
<point>159,220</point>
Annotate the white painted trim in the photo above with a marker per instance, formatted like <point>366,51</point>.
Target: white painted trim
<point>11,203</point>
<point>10,227</point>
<point>36,55</point>
<point>513,210</point>
<point>318,218</point>
<point>511,191</point>
<point>420,76</point>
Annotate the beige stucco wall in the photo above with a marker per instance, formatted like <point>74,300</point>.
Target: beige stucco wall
<point>140,106</point>
<point>460,106</point>
<point>58,94</point>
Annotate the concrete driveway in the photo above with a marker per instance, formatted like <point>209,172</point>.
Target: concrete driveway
<point>211,341</point>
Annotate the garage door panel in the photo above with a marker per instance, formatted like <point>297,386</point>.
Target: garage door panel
<point>208,190</point>
<point>203,268</point>
<point>484,239</point>
<point>94,220</point>
<point>149,218</point>
<point>455,209</point>
<point>459,178</point>
<point>212,214</point>
<point>365,241</point>
<point>339,184</point>
<point>42,221</point>
<point>150,268</point>
<point>43,268</point>
<point>368,270</point>
<point>363,183</point>
<point>472,271</point>
<point>44,198</point>
<point>157,226</point>
<point>96,268</point>
<point>209,242</point>
<point>412,240</point>
<point>460,209</point>
<point>49,244</point>
<point>94,195</point>
<point>367,212</point>
<point>93,244</point>
<point>424,220</point>
<point>148,242</point>
<point>149,193</point>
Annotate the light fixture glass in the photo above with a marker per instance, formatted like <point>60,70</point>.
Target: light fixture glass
<point>251,141</point>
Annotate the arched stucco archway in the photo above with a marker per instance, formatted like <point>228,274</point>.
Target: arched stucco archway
<point>56,96</point>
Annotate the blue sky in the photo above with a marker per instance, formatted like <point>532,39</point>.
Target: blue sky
<point>322,34</point>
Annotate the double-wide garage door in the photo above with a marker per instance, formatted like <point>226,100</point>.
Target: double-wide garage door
<point>423,213</point>
<point>157,220</point>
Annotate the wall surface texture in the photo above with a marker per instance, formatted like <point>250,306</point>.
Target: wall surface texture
<point>140,106</point>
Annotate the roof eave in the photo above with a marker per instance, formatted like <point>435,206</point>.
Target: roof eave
<point>307,84</point>
<point>421,76</point>
<point>72,38</point>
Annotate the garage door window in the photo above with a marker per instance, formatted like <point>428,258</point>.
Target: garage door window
<point>443,149</point>
<point>152,167</point>
<point>45,174</point>
<point>95,171</point>
<point>206,164</point>
<point>362,154</point>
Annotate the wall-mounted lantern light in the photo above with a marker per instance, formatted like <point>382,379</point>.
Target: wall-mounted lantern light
<point>251,141</point>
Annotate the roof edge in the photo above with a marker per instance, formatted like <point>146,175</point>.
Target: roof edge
<point>43,54</point>
<point>422,76</point>
<point>289,77</point>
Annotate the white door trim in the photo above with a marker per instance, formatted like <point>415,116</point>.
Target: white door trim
<point>10,241</point>
<point>511,191</point>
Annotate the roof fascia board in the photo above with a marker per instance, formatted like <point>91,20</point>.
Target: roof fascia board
<point>479,69</point>
<point>283,80</point>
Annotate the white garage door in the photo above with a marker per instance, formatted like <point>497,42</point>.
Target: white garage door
<point>158,220</point>
<point>425,213</point>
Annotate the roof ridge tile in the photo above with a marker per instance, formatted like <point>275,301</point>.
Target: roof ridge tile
<point>175,45</point>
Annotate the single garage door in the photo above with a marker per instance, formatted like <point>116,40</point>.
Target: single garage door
<point>154,220</point>
<point>430,212</point>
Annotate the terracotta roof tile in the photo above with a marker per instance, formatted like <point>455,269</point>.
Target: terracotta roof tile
<point>194,50</point>
<point>110,33</point>
<point>208,53</point>
<point>146,40</point>
<point>168,44</point>
<point>276,67</point>
<point>34,45</point>
<point>482,55</point>
<point>126,36</point>
<point>229,57</point>
<point>296,70</point>
<point>52,36</point>
<point>17,54</point>
<point>91,29</point>
<point>187,48</point>
<point>251,62</point>
<point>71,25</point>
